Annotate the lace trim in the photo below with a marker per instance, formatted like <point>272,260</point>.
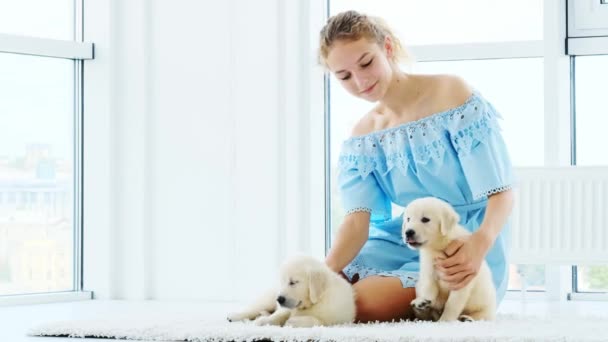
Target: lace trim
<point>479,130</point>
<point>422,123</point>
<point>494,191</point>
<point>376,215</point>
<point>421,141</point>
<point>358,209</point>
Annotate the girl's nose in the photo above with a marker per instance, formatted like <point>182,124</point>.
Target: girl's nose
<point>359,82</point>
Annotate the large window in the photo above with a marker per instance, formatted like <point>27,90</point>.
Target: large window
<point>591,73</point>
<point>588,41</point>
<point>40,115</point>
<point>36,174</point>
<point>477,44</point>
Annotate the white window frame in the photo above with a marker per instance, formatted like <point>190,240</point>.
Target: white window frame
<point>591,296</point>
<point>78,51</point>
<point>476,51</point>
<point>557,92</point>
<point>587,18</point>
<point>585,296</point>
<point>587,27</point>
<point>587,35</point>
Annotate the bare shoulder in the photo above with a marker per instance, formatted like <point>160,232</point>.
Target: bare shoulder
<point>451,91</point>
<point>366,125</point>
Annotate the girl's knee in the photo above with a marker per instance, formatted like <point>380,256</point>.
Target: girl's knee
<point>371,310</point>
<point>378,303</point>
<point>367,310</point>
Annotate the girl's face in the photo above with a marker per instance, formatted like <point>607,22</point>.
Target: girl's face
<point>362,67</point>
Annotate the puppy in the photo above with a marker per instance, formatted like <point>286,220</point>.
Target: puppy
<point>310,294</point>
<point>429,225</point>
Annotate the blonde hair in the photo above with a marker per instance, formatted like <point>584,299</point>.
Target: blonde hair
<point>352,26</point>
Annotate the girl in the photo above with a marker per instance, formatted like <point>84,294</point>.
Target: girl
<point>428,135</point>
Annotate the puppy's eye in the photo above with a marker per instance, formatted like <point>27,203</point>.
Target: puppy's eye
<point>424,220</point>
<point>292,282</point>
<point>408,219</point>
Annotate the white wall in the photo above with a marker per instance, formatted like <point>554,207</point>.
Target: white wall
<point>203,145</point>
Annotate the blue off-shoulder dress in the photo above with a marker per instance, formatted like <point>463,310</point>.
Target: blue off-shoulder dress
<point>458,155</point>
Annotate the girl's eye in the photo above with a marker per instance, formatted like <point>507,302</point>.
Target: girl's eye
<point>367,64</point>
<point>345,78</point>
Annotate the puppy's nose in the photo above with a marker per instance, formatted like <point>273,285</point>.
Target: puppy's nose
<point>409,233</point>
<point>281,299</point>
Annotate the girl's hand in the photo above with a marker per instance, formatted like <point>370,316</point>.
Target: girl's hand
<point>463,260</point>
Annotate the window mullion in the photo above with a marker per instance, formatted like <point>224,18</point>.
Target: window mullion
<point>477,51</point>
<point>45,47</point>
<point>557,118</point>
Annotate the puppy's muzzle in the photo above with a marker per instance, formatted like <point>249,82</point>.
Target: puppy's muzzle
<point>288,302</point>
<point>410,238</point>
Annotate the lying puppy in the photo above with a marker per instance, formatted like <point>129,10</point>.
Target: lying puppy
<point>429,225</point>
<point>310,294</point>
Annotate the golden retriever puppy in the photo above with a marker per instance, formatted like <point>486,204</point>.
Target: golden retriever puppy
<point>429,225</point>
<point>310,294</point>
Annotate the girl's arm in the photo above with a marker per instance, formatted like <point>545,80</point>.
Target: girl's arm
<point>351,237</point>
<point>464,256</point>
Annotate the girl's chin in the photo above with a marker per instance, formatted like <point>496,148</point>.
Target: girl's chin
<point>371,98</point>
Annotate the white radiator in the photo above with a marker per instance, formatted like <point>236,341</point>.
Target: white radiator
<point>560,216</point>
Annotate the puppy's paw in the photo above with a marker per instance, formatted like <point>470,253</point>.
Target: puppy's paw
<point>302,322</point>
<point>465,318</point>
<point>265,320</point>
<point>421,304</point>
<point>239,316</point>
<point>424,310</point>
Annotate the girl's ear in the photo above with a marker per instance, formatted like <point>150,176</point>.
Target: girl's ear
<point>388,46</point>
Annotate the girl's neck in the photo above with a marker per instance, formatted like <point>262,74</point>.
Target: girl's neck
<point>403,92</point>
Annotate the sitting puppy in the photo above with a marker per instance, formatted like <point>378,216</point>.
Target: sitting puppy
<point>429,225</point>
<point>310,294</point>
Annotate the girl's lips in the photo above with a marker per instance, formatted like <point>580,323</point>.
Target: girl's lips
<point>368,90</point>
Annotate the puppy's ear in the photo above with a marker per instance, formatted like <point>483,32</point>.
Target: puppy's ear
<point>317,281</point>
<point>449,218</point>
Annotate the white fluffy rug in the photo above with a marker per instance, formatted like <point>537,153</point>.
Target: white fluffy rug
<point>505,328</point>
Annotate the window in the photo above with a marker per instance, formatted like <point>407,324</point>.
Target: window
<point>587,27</point>
<point>504,61</point>
<point>592,278</point>
<point>591,73</point>
<point>36,159</point>
<point>527,278</point>
<point>587,18</point>
<point>420,22</point>
<point>591,117</point>
<point>40,115</point>
<point>38,18</point>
